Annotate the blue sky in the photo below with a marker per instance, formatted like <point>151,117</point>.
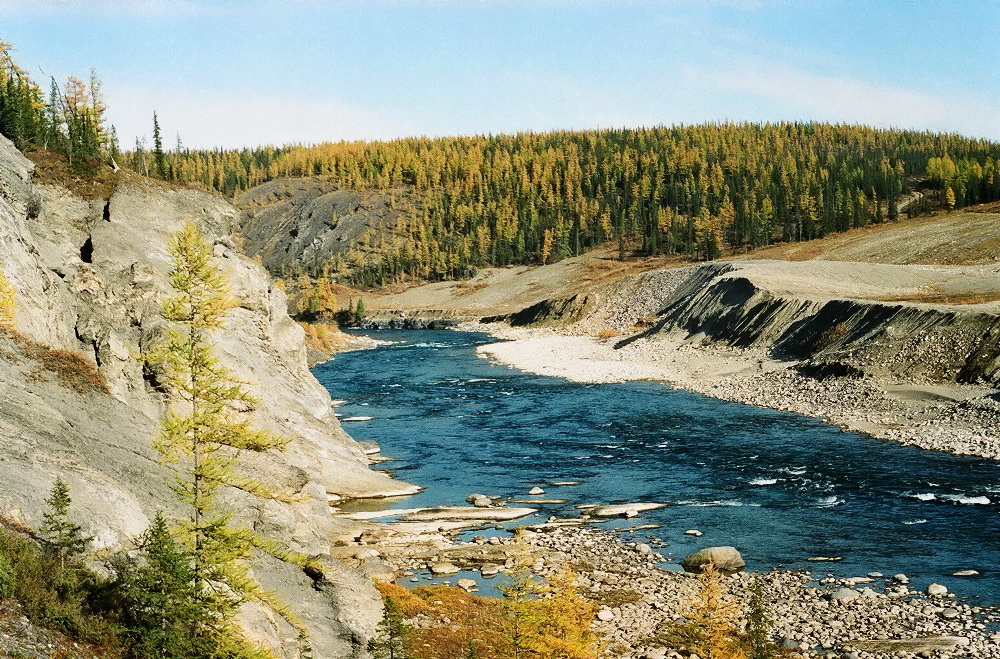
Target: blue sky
<point>234,73</point>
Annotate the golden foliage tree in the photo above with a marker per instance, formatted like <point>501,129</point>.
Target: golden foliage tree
<point>716,615</point>
<point>563,621</point>
<point>206,428</point>
<point>8,302</point>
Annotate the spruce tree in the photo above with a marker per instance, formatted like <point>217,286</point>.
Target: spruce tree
<point>159,601</point>
<point>204,433</point>
<point>59,536</point>
<point>159,160</point>
<point>390,640</point>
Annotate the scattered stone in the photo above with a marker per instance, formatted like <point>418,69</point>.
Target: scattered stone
<point>695,532</point>
<point>937,590</point>
<point>605,614</point>
<point>536,490</point>
<point>949,613</point>
<point>626,510</point>
<point>479,500</point>
<point>727,559</point>
<point>489,570</point>
<point>901,578</point>
<point>444,568</point>
<point>844,595</point>
<point>468,585</point>
<point>910,645</point>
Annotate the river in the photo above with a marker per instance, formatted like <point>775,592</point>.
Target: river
<point>780,487</point>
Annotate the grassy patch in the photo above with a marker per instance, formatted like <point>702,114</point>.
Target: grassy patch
<point>70,368</point>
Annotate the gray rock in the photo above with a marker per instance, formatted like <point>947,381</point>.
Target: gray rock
<point>937,590</point>
<point>966,573</point>
<point>726,559</point>
<point>479,500</point>
<point>605,614</point>
<point>910,645</point>
<point>844,595</point>
<point>468,585</point>
<point>438,569</point>
<point>536,491</point>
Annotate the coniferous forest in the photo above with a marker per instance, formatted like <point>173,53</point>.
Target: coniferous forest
<point>690,190</point>
<point>534,198</point>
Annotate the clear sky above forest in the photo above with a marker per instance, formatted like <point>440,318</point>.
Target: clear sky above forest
<point>234,73</point>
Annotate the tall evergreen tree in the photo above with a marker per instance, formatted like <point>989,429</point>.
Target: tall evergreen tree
<point>204,433</point>
<point>159,158</point>
<point>59,535</point>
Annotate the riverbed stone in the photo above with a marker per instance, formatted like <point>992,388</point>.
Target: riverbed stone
<point>937,590</point>
<point>727,559</point>
<point>444,568</point>
<point>844,595</point>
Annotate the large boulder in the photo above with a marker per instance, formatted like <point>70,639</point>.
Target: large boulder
<point>726,559</point>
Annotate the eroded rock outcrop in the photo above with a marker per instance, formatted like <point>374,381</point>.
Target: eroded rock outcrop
<point>89,276</point>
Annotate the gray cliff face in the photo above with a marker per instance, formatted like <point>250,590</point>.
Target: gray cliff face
<point>738,304</point>
<point>89,277</point>
<point>307,220</point>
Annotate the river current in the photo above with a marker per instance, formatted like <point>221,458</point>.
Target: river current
<point>781,488</point>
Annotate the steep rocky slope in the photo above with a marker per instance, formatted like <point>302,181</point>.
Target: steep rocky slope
<point>89,276</point>
<point>306,221</point>
<point>844,319</point>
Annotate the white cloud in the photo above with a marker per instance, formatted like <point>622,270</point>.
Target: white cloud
<point>806,95</point>
<point>206,119</point>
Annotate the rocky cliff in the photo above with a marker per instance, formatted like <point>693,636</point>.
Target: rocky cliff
<point>848,318</point>
<point>89,277</point>
<point>306,221</point>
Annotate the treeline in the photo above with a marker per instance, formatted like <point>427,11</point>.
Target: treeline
<point>69,119</point>
<point>689,190</point>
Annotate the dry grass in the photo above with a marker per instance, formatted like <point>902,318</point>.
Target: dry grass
<point>468,287</point>
<point>52,168</point>
<point>613,598</point>
<point>932,297</point>
<point>71,369</point>
<point>97,180</point>
<point>607,333</point>
<point>454,620</point>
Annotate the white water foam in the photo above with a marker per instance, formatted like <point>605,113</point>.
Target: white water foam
<point>966,499</point>
<point>716,503</point>
<point>764,481</point>
<point>910,522</point>
<point>924,496</point>
<point>828,502</point>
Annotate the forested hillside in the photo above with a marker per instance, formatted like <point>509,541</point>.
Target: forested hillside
<point>535,198</point>
<point>68,120</point>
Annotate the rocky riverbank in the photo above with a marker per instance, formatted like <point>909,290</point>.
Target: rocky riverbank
<point>959,419</point>
<point>814,614</point>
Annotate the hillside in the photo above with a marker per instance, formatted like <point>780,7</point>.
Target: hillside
<point>296,223</point>
<point>77,400</point>
<point>534,199</point>
<point>961,238</point>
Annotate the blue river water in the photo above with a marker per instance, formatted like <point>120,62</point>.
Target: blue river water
<point>780,487</point>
